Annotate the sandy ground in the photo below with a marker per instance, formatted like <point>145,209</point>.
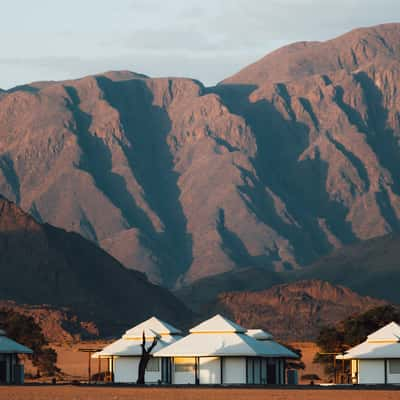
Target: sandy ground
<point>126,393</point>
<point>308,350</point>
<point>72,361</point>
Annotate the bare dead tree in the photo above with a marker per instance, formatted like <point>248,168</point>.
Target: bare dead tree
<point>144,359</point>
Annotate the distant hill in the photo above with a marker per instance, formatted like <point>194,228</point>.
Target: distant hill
<point>294,311</point>
<point>370,267</point>
<point>41,264</point>
<point>59,325</point>
<point>200,293</point>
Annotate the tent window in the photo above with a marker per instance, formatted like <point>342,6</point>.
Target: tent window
<point>394,366</point>
<point>184,364</point>
<point>153,365</point>
<point>256,370</point>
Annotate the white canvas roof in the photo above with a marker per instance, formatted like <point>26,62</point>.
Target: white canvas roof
<point>156,325</point>
<point>390,332</point>
<point>132,347</point>
<point>365,351</point>
<point>259,334</point>
<point>218,323</point>
<point>384,343</point>
<point>9,346</point>
<point>220,337</point>
<point>130,343</point>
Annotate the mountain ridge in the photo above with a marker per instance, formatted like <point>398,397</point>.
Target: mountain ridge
<point>294,311</point>
<point>184,182</point>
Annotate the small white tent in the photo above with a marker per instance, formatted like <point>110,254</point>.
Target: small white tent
<point>377,359</point>
<point>124,354</point>
<point>10,370</point>
<point>218,351</point>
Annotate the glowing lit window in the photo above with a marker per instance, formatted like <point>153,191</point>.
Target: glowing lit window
<point>184,364</point>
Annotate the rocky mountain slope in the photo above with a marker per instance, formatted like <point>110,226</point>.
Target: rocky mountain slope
<point>294,311</point>
<point>59,325</point>
<point>41,264</point>
<point>291,158</point>
<point>371,267</point>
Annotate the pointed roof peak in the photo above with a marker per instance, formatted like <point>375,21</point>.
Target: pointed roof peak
<point>138,334</point>
<point>218,323</point>
<point>152,326</point>
<point>389,332</point>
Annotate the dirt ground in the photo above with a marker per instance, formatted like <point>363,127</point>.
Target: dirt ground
<point>308,350</point>
<point>72,362</point>
<point>127,393</point>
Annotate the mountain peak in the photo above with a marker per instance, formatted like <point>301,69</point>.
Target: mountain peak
<point>299,60</point>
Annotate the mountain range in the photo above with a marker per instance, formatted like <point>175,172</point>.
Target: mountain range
<point>244,185</point>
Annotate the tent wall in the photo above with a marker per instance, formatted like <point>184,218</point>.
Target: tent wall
<point>184,371</point>
<point>234,370</point>
<point>371,371</point>
<point>126,370</point>
<point>209,370</point>
<point>393,371</point>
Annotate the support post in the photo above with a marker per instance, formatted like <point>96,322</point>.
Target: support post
<point>221,361</point>
<point>343,369</point>
<point>386,374</point>
<point>89,366</point>
<point>334,368</point>
<point>98,368</point>
<point>196,370</point>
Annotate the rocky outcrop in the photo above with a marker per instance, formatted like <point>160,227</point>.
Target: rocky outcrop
<point>59,325</point>
<point>294,311</point>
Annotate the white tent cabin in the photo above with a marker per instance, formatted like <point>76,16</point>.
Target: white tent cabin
<point>377,359</point>
<point>218,351</point>
<point>11,371</point>
<point>124,354</point>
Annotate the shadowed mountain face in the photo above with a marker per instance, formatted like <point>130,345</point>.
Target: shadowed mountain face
<point>40,264</point>
<point>370,268</point>
<point>286,161</point>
